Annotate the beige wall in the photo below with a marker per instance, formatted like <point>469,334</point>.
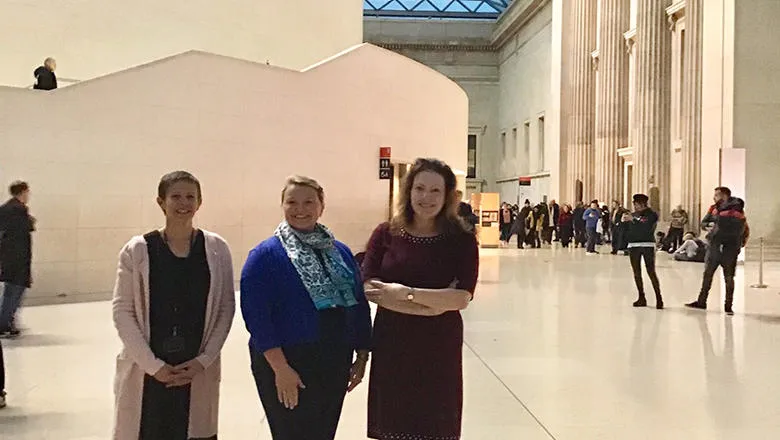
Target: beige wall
<point>756,113</point>
<point>525,82</point>
<point>90,38</point>
<point>94,152</point>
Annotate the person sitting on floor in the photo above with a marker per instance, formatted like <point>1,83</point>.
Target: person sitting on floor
<point>692,249</point>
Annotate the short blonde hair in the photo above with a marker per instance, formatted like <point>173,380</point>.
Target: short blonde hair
<point>308,182</point>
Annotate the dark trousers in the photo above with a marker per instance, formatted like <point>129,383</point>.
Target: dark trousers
<point>165,412</point>
<point>2,369</point>
<point>674,239</point>
<point>648,254</point>
<point>725,256</point>
<point>520,237</point>
<point>324,368</point>
<point>12,299</point>
<point>617,238</point>
<point>579,237</point>
<point>506,231</point>
<point>593,238</point>
<point>533,238</point>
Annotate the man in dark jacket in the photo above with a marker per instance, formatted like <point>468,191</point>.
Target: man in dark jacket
<point>16,225</point>
<point>639,233</point>
<point>618,239</point>
<point>579,225</point>
<point>466,213</point>
<point>45,79</point>
<point>520,223</point>
<point>728,234</point>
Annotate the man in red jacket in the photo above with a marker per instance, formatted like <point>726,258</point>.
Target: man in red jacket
<point>728,234</point>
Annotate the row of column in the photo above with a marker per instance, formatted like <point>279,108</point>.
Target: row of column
<point>612,98</point>
<point>582,111</point>
<point>691,110</point>
<point>593,157</point>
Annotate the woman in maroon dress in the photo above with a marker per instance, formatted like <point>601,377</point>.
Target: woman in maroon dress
<point>421,269</point>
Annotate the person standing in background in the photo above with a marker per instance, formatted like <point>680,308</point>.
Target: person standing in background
<point>566,225</point>
<point>618,230</point>
<point>466,212</point>
<point>555,214</point>
<point>674,238</point>
<point>579,225</point>
<point>45,79</point>
<point>592,216</point>
<point>506,217</point>
<point>729,232</point>
<point>521,224</point>
<point>640,230</point>
<point>16,226</point>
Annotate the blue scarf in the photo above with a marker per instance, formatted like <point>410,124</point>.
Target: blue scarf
<point>326,276</point>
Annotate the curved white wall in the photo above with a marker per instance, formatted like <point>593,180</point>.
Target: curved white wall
<point>94,152</point>
<point>91,38</point>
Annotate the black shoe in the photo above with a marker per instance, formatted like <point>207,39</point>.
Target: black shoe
<point>641,302</point>
<point>2,400</point>
<point>659,304</point>
<point>727,308</point>
<point>696,305</point>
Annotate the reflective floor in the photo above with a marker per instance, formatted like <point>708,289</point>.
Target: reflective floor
<point>554,351</point>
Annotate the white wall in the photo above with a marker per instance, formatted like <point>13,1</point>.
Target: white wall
<point>525,82</point>
<point>94,159</point>
<point>90,38</point>
<point>757,110</point>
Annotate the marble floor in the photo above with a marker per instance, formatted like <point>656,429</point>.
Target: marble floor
<point>554,351</point>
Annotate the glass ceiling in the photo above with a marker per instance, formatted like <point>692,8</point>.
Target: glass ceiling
<point>458,9</point>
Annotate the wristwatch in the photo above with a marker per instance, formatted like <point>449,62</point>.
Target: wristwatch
<point>410,296</point>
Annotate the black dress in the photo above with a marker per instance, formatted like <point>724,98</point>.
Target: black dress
<point>178,292</point>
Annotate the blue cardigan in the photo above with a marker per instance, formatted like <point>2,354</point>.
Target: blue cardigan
<point>277,308</point>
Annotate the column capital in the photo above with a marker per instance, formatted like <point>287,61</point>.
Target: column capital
<point>675,12</point>
<point>630,37</point>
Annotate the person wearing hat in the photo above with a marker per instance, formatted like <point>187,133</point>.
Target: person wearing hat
<point>639,234</point>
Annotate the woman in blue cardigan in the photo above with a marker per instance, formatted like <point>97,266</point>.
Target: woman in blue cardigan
<point>303,303</point>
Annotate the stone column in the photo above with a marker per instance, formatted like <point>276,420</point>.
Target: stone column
<point>691,111</point>
<point>652,152</point>
<point>611,98</point>
<point>581,87</point>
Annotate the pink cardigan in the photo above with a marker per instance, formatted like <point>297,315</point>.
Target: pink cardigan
<point>131,319</point>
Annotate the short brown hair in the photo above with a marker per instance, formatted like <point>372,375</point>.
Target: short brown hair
<point>18,188</point>
<point>447,220</point>
<point>308,182</point>
<point>168,180</point>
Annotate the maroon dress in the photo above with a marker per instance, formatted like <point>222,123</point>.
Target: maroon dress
<point>416,385</point>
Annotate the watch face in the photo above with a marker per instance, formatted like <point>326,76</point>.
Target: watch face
<point>410,297</point>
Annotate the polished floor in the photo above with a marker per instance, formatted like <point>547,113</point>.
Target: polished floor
<point>554,351</point>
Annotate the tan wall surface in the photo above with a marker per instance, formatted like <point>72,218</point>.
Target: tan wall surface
<point>91,38</point>
<point>94,152</point>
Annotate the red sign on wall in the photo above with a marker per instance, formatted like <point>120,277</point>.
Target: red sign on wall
<point>385,168</point>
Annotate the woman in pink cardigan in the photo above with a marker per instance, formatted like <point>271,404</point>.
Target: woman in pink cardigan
<point>173,305</point>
